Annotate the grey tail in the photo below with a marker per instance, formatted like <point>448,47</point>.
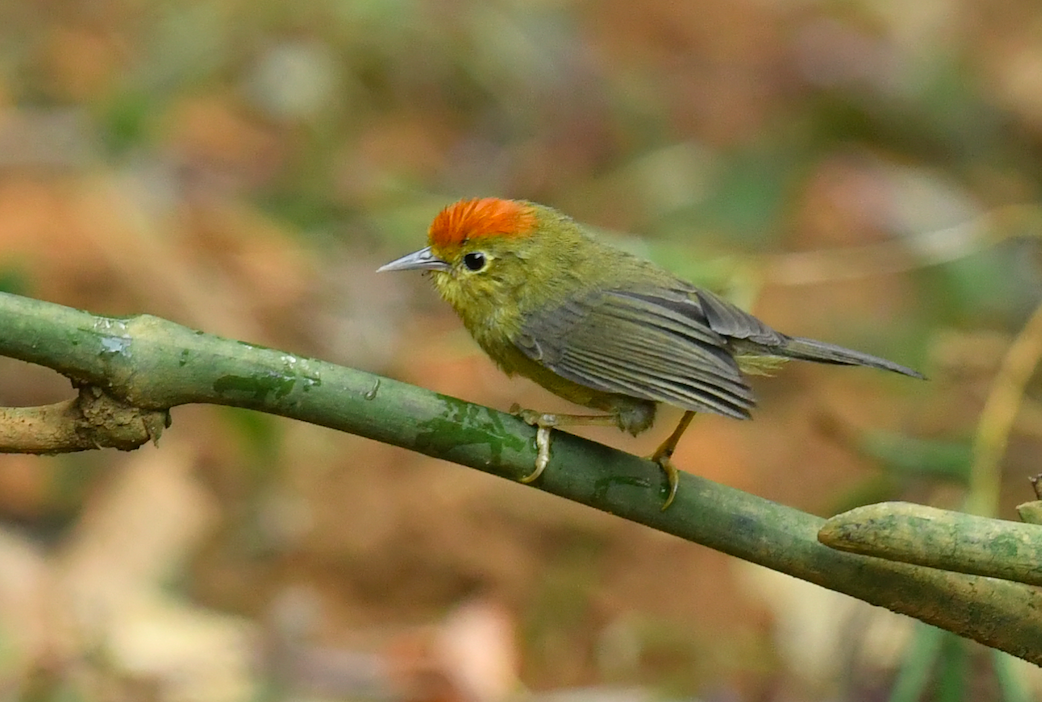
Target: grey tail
<point>821,352</point>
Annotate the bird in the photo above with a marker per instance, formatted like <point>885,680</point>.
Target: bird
<point>600,327</point>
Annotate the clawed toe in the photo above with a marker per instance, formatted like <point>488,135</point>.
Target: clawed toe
<point>534,418</point>
<point>542,442</point>
<point>672,475</point>
<point>544,422</point>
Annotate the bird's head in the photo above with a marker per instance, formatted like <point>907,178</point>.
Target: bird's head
<point>477,252</point>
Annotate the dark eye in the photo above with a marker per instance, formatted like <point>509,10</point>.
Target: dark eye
<point>475,260</point>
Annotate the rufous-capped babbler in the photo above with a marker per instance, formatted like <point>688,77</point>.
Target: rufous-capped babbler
<point>599,326</point>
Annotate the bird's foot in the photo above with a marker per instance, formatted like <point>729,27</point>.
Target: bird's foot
<point>664,457</point>
<point>534,418</point>
<point>543,423</point>
<point>542,443</point>
<point>665,462</point>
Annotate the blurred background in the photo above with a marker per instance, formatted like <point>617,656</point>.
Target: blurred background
<point>859,171</point>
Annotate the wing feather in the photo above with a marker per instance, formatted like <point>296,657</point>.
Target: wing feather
<point>733,322</point>
<point>656,345</point>
<point>677,390</point>
<point>652,351</point>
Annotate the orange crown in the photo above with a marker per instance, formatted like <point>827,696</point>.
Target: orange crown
<point>468,219</point>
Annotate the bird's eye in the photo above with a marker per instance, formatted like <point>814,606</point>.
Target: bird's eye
<point>474,261</point>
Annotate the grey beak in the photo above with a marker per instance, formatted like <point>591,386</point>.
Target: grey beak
<point>422,260</point>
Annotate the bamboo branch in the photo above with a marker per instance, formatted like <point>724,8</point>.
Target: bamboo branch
<point>939,538</point>
<point>153,365</point>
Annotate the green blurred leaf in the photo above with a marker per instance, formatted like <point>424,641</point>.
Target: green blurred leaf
<point>993,285</point>
<point>919,660</point>
<point>911,457</point>
<point>14,279</point>
<point>1011,682</point>
<point>881,487</point>
<point>261,437</point>
<point>751,191</point>
<point>125,119</point>
<point>953,671</point>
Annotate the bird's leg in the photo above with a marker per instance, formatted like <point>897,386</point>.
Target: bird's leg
<point>663,456</point>
<point>544,422</point>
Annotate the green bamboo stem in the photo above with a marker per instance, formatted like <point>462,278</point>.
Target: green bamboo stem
<point>1031,512</point>
<point>154,364</point>
<point>938,538</point>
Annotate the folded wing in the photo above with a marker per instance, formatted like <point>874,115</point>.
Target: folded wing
<point>656,345</point>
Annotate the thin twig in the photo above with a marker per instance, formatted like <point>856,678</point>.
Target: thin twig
<point>92,420</point>
<point>999,415</point>
<point>912,252</point>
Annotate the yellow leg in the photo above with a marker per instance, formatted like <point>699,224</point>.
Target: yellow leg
<point>544,422</point>
<point>664,453</point>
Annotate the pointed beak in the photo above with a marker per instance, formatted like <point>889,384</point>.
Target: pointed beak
<point>422,260</point>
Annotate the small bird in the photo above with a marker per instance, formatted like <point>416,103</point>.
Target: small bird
<point>598,326</point>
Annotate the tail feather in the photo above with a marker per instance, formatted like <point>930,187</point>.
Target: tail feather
<point>813,350</point>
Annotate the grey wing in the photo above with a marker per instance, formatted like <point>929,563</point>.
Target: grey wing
<point>734,323</point>
<point>657,346</point>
